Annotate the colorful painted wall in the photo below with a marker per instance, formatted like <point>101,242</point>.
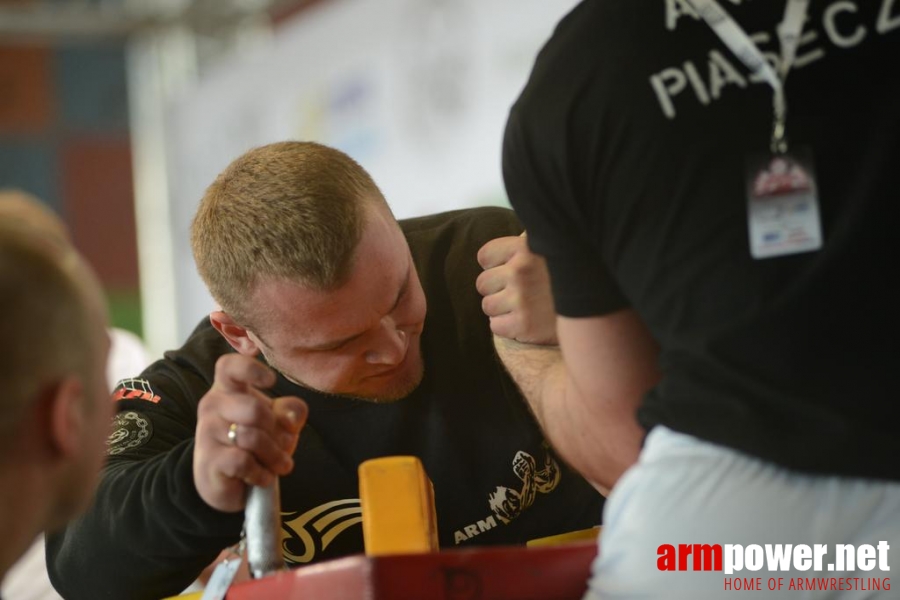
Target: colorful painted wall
<point>64,138</point>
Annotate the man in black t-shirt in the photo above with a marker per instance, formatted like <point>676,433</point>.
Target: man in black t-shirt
<point>763,368</point>
<point>316,278</point>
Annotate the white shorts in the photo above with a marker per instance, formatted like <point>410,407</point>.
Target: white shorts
<point>685,492</point>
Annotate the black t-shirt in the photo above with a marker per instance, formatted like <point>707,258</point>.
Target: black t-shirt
<point>495,480</point>
<point>625,158</point>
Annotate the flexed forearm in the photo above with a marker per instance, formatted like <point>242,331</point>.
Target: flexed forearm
<point>568,424</point>
<point>592,426</point>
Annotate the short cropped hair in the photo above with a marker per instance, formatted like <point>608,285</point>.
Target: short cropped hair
<point>289,211</point>
<point>45,320</point>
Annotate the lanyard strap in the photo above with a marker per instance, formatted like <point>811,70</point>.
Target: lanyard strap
<point>740,44</point>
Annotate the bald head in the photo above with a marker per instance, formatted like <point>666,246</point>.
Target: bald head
<point>52,311</point>
<point>54,404</point>
<point>18,207</point>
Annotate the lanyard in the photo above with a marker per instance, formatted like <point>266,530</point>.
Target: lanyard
<point>740,44</point>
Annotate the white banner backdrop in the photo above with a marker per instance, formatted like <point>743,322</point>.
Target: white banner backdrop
<point>417,91</point>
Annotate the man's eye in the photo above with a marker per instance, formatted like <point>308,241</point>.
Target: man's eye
<point>337,345</point>
<point>332,348</point>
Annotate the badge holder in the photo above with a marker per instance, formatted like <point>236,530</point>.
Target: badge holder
<point>782,200</point>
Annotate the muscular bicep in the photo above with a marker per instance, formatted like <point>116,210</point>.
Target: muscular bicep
<point>609,358</point>
<point>609,363</point>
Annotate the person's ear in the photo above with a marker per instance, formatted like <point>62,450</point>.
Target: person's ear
<point>65,402</point>
<point>236,335</point>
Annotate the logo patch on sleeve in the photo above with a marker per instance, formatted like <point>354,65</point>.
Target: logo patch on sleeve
<point>135,389</point>
<point>130,430</point>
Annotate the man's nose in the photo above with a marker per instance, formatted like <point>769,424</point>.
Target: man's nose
<point>391,346</point>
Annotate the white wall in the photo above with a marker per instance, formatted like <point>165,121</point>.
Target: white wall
<point>417,91</point>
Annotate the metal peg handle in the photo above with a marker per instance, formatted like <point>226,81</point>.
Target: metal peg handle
<point>262,521</point>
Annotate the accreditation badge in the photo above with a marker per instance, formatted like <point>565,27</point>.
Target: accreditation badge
<point>782,204</point>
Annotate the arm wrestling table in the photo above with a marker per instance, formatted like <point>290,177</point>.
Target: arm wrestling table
<point>403,562</point>
<point>499,573</point>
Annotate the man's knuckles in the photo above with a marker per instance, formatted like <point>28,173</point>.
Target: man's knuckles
<point>498,251</point>
<point>492,305</point>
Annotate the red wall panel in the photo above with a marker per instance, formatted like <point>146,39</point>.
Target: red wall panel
<point>26,89</point>
<point>98,193</point>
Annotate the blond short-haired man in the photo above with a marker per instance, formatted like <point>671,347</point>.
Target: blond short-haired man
<point>377,326</point>
<point>54,407</point>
